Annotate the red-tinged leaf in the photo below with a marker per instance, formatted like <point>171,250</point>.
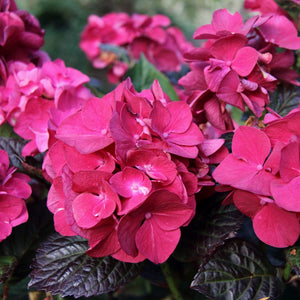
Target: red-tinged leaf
<point>211,226</point>
<point>237,271</point>
<point>62,267</point>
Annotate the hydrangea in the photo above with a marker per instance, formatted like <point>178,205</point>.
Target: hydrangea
<point>238,65</point>
<point>264,171</point>
<point>14,190</point>
<point>119,171</point>
<point>117,39</point>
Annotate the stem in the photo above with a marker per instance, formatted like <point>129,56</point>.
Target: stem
<point>171,281</point>
<point>5,292</point>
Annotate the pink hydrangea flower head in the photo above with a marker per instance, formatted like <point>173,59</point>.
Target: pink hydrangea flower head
<point>21,33</point>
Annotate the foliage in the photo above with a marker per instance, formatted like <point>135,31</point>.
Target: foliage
<point>173,174</point>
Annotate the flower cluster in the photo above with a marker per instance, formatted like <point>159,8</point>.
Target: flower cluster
<point>120,173</point>
<point>21,36</point>
<point>36,99</point>
<point>20,40</point>
<point>238,65</point>
<point>14,189</point>
<point>264,170</point>
<point>117,38</point>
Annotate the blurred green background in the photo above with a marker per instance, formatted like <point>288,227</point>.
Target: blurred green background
<point>64,20</point>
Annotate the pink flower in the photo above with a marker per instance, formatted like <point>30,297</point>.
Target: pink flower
<point>285,190</point>
<point>263,6</point>
<point>96,199</point>
<point>114,159</point>
<point>133,185</point>
<point>272,224</point>
<point>224,24</point>
<point>153,228</point>
<point>236,92</point>
<point>247,167</point>
<point>155,163</point>
<point>116,40</point>
<point>174,125</point>
<point>88,129</point>
<point>279,30</point>
<point>14,189</point>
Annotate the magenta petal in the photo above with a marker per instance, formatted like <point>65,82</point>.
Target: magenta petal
<point>89,209</point>
<point>281,31</point>
<point>166,209</point>
<point>103,238</point>
<point>73,132</point>
<point>181,117</point>
<point>228,90</point>
<point>96,114</point>
<point>239,174</point>
<point>175,215</point>
<point>276,227</point>
<point>247,203</point>
<point>61,225</point>
<point>184,151</point>
<point>191,137</point>
<point>286,195</point>
<point>223,20</point>
<point>131,182</point>
<point>251,145</point>
<point>5,227</point>
<point>123,256</point>
<point>127,229</point>
<point>290,161</point>
<point>22,218</point>
<point>160,117</point>
<point>11,206</point>
<point>154,163</point>
<point>227,47</point>
<point>205,32</point>
<point>244,61</point>
<point>283,128</point>
<point>156,244</point>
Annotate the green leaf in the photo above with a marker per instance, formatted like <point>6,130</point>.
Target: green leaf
<point>143,74</point>
<point>7,265</point>
<point>211,226</point>
<point>62,267</point>
<point>7,130</point>
<point>237,271</point>
<point>293,258</point>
